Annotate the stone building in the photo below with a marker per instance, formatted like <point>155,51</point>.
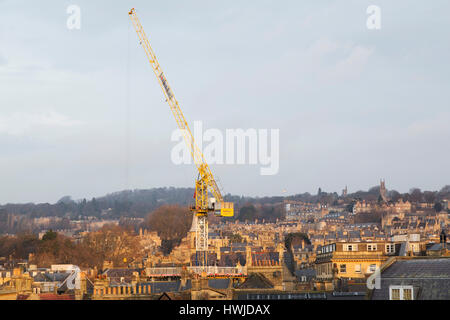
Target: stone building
<point>352,260</point>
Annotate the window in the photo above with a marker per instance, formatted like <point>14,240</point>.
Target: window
<point>343,268</point>
<point>401,293</point>
<point>350,247</point>
<point>390,248</point>
<point>328,248</point>
<point>357,268</point>
<point>407,294</point>
<point>372,247</point>
<point>372,268</point>
<point>395,294</point>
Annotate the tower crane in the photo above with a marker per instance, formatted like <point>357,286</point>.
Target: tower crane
<point>205,183</point>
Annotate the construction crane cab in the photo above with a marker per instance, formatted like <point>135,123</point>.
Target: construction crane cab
<point>203,202</point>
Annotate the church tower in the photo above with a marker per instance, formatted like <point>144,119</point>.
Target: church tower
<point>344,192</point>
<point>383,191</point>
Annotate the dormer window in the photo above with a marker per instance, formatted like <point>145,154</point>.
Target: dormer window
<point>394,294</point>
<point>350,247</point>
<point>372,247</point>
<point>390,248</point>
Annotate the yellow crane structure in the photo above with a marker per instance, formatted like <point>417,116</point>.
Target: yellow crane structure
<point>205,183</point>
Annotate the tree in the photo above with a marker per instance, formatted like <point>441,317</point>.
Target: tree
<point>438,207</point>
<point>416,195</point>
<point>171,222</point>
<point>49,235</point>
<point>394,195</point>
<point>111,243</point>
<point>236,238</point>
<point>55,249</point>
<point>445,190</point>
<point>66,200</point>
<point>247,212</point>
<point>429,196</point>
<point>294,239</point>
<point>369,217</point>
<point>18,247</point>
<point>374,190</point>
<point>349,207</point>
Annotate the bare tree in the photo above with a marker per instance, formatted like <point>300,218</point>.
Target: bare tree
<point>172,222</point>
<point>429,196</point>
<point>112,243</point>
<point>416,195</point>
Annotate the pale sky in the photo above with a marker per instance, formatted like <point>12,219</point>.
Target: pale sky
<point>81,112</point>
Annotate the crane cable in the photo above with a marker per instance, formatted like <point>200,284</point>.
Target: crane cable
<point>128,111</point>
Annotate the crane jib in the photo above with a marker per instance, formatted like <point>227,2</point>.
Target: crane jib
<point>166,86</point>
<point>205,182</point>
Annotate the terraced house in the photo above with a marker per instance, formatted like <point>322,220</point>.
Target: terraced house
<point>353,260</point>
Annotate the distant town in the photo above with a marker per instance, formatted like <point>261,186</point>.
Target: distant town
<point>378,244</point>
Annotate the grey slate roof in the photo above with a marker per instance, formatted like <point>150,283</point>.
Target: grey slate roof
<point>231,259</point>
<point>429,277</point>
<point>187,285</point>
<point>51,277</point>
<point>354,234</point>
<point>164,286</point>
<point>436,247</point>
<point>256,281</point>
<point>429,268</point>
<point>219,283</point>
<point>308,273</point>
<point>116,274</point>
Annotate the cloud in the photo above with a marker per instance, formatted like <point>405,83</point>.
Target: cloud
<point>323,47</point>
<point>353,64</point>
<point>437,125</point>
<point>20,123</point>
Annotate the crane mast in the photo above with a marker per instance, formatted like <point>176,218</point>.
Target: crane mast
<point>205,182</point>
